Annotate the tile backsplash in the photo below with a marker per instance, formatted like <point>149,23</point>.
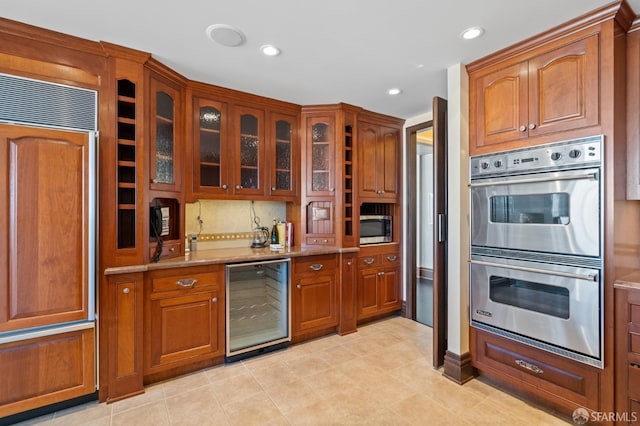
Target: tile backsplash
<point>229,223</point>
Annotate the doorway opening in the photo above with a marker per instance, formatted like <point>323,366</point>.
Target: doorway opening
<point>424,226</point>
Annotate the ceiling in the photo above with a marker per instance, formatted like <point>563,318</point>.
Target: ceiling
<point>333,51</point>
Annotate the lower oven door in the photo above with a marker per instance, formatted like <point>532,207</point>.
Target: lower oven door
<point>554,307</point>
<point>557,212</point>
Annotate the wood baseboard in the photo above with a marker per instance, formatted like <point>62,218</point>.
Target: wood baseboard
<point>458,368</point>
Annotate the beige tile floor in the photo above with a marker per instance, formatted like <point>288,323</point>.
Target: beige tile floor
<point>381,375</point>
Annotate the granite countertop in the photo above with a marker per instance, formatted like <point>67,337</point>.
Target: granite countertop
<point>631,280</point>
<point>227,255</point>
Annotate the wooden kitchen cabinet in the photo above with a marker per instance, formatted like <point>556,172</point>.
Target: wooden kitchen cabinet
<point>379,281</point>
<point>553,89</point>
<point>283,151</point>
<point>250,150</point>
<point>559,382</point>
<point>184,318</point>
<point>627,329</point>
<point>379,144</point>
<point>633,114</point>
<point>314,297</point>
<point>166,146</point>
<point>123,315</point>
<point>348,293</point>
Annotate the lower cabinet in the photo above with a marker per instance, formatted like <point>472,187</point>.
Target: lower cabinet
<point>184,317</point>
<point>45,370</point>
<point>378,281</point>
<point>123,316</point>
<point>628,352</point>
<point>348,293</point>
<point>314,297</point>
<point>560,382</point>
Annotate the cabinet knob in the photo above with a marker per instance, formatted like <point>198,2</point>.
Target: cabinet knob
<point>392,258</point>
<point>532,126</point>
<point>349,263</point>
<point>332,190</point>
<point>298,286</point>
<point>172,249</point>
<point>154,180</point>
<point>225,186</point>
<point>316,266</point>
<point>369,260</point>
<point>187,282</point>
<point>215,299</point>
<point>273,188</point>
<point>325,241</point>
<point>126,290</point>
<point>238,186</point>
<point>380,274</point>
<point>523,128</point>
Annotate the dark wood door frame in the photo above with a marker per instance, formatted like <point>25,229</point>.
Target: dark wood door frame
<point>439,124</point>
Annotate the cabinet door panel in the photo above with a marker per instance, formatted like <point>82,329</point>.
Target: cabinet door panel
<point>368,293</point>
<point>499,105</point>
<point>390,144</point>
<point>563,88</point>
<point>316,302</point>
<point>184,327</point>
<point>367,145</point>
<point>43,224</point>
<point>320,157</point>
<point>390,290</point>
<point>210,147</point>
<point>249,142</point>
<point>284,155</point>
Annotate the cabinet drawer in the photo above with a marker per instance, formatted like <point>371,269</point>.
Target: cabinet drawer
<point>369,261</point>
<point>322,241</point>
<point>546,372</point>
<point>169,249</point>
<point>186,282</point>
<point>312,264</point>
<point>390,259</point>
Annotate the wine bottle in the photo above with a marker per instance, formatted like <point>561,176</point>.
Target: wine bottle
<point>274,232</point>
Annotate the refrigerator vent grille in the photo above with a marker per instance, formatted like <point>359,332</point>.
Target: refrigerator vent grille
<point>41,103</point>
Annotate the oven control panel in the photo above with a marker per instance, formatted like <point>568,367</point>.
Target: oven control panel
<point>579,152</point>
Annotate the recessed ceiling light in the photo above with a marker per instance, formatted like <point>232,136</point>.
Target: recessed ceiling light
<point>225,34</point>
<point>269,50</point>
<point>394,91</point>
<point>471,33</point>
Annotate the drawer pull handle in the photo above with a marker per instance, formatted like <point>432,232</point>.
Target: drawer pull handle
<point>369,260</point>
<point>529,366</point>
<point>634,364</point>
<point>316,266</point>
<point>392,258</point>
<point>187,282</point>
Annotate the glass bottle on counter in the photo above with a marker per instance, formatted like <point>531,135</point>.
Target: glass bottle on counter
<point>274,232</point>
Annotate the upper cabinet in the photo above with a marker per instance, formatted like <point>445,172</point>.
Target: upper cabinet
<point>283,154</point>
<point>320,158</point>
<point>379,150</point>
<point>165,134</point>
<point>210,166</point>
<point>249,145</point>
<point>551,90</point>
<point>241,148</point>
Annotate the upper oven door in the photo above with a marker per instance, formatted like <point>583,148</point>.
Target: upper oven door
<point>555,212</point>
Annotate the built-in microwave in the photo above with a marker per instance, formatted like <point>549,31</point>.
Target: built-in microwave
<point>376,229</point>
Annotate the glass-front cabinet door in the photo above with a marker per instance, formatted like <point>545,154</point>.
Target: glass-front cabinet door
<point>165,131</point>
<point>321,156</point>
<point>210,149</point>
<point>249,143</point>
<point>284,154</point>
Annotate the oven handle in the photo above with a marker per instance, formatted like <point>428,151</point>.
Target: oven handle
<point>576,176</point>
<point>585,277</point>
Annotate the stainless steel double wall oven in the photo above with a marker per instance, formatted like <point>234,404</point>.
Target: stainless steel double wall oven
<point>536,247</point>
